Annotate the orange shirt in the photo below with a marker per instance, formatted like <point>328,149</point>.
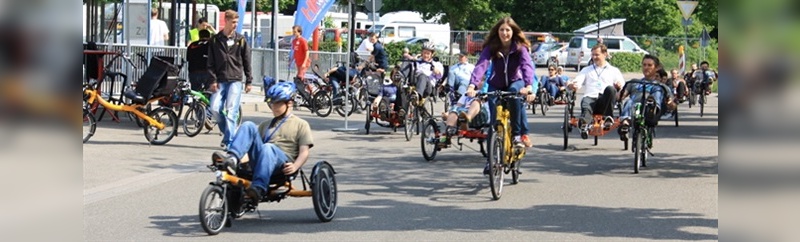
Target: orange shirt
<point>300,47</point>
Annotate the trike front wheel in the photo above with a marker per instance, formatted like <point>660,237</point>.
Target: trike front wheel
<point>213,209</point>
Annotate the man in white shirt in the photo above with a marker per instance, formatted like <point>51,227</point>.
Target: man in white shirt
<point>428,71</point>
<point>602,82</point>
<point>365,46</point>
<point>159,32</point>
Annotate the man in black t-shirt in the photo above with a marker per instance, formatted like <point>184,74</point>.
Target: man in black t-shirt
<point>197,55</point>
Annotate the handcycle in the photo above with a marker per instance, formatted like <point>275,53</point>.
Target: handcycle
<point>313,96</point>
<point>151,87</point>
<point>414,104</point>
<point>224,199</point>
<point>645,118</point>
<point>504,157</point>
<point>343,107</point>
<point>596,130</point>
<point>385,115</point>
<point>543,99</point>
<point>431,137</point>
<point>699,93</point>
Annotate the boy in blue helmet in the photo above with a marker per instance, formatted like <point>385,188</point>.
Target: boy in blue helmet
<point>282,144</point>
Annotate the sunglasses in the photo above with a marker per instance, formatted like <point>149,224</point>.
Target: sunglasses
<point>270,102</point>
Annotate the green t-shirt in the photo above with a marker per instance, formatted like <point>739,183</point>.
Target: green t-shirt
<point>292,134</point>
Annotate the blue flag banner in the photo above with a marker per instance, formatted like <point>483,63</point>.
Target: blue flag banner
<point>308,15</point>
<point>242,6</point>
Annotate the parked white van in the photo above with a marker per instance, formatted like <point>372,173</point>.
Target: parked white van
<point>580,48</point>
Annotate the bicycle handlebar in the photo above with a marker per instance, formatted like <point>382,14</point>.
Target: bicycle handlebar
<point>644,83</point>
<point>499,93</point>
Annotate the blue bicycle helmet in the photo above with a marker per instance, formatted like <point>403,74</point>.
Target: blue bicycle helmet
<point>281,92</point>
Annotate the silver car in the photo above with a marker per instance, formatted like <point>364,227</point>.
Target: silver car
<point>550,54</point>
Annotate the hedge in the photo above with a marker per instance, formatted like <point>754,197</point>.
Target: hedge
<point>627,62</point>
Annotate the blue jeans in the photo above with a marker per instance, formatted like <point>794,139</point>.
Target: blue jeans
<point>265,158</point>
<point>225,106</point>
<point>519,120</point>
<point>627,108</point>
<point>551,88</point>
<point>335,85</point>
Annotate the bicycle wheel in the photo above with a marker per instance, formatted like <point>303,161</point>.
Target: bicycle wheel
<point>362,97</point>
<point>675,116</point>
<point>213,209</point>
<point>429,140</point>
<point>324,192</point>
<point>410,120</point>
<point>194,119</point>
<point>638,147</point>
<point>565,127</point>
<point>544,102</point>
<point>161,136</point>
<point>322,103</point>
<point>515,172</point>
<point>702,103</point>
<point>496,156</point>
<point>346,109</point>
<point>369,120</point>
<point>139,122</point>
<point>89,125</point>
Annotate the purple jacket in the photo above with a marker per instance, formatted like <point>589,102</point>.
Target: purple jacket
<point>517,65</point>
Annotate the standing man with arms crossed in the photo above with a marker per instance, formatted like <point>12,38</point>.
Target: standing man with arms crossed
<point>602,82</point>
<point>228,58</point>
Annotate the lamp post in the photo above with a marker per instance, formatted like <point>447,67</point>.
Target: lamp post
<point>599,5</point>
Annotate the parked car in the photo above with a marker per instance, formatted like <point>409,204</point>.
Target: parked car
<point>580,48</point>
<point>285,42</point>
<point>550,54</point>
<point>439,46</point>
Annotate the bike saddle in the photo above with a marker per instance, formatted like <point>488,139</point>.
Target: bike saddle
<point>135,96</point>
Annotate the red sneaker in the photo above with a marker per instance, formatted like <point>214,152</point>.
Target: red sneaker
<point>526,141</point>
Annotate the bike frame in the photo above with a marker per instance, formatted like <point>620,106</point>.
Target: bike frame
<point>94,95</point>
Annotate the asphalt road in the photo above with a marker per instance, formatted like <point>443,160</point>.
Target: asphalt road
<point>387,191</point>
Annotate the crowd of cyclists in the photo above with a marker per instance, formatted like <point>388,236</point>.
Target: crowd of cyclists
<point>504,64</point>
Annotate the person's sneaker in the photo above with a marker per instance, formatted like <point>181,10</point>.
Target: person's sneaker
<point>623,130</point>
<point>518,142</point>
<point>608,122</point>
<point>526,141</point>
<point>585,131</point>
<point>486,169</point>
<point>208,125</point>
<point>224,160</point>
<point>255,193</point>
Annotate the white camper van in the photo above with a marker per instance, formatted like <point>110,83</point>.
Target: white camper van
<point>398,26</point>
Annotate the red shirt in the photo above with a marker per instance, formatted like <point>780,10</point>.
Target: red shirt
<point>300,47</point>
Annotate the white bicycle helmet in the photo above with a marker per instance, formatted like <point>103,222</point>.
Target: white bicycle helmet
<point>429,46</point>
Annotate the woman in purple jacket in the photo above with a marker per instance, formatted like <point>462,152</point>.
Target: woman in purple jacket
<point>507,49</point>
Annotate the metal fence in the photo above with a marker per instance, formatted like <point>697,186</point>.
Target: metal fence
<point>262,64</point>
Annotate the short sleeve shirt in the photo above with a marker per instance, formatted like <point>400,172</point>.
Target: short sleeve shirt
<point>292,134</point>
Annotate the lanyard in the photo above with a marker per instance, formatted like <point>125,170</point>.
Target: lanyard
<point>266,138</point>
<point>600,73</point>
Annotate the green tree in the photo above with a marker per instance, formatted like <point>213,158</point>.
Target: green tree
<point>461,14</point>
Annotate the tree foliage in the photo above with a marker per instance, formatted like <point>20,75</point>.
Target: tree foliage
<point>644,17</point>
